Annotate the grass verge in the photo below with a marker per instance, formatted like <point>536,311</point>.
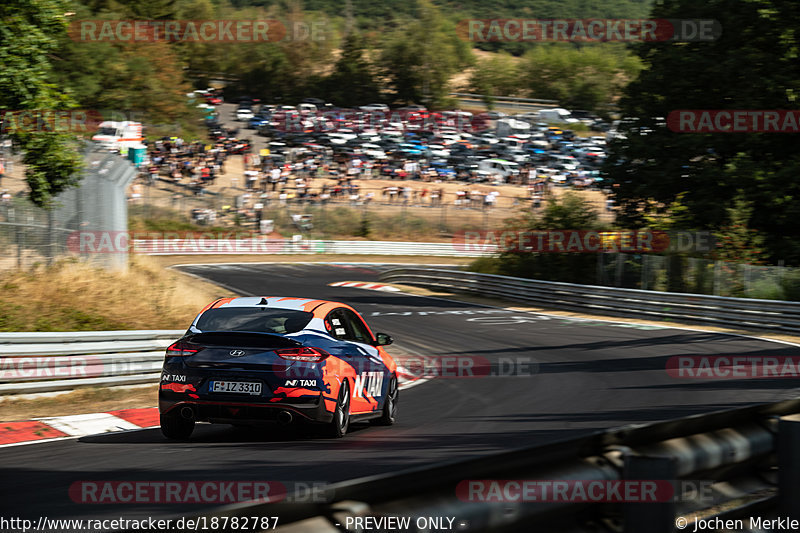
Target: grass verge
<point>89,400</point>
<point>75,296</point>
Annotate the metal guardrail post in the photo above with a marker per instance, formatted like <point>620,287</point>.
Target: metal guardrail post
<point>653,517</point>
<point>788,444</point>
<point>50,238</point>
<point>17,235</point>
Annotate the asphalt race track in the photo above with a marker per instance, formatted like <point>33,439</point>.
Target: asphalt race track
<point>588,376</point>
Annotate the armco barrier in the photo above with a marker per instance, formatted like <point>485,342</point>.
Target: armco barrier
<point>285,246</point>
<point>45,362</point>
<point>728,464</point>
<point>711,310</point>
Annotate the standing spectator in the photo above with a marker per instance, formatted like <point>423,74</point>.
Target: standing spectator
<point>251,176</point>
<point>491,199</point>
<point>406,195</point>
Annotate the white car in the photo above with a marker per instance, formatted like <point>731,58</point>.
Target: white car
<point>487,139</point>
<point>437,150</point>
<point>450,138</point>
<point>244,113</point>
<point>500,167</point>
<point>373,151</point>
<point>341,136</point>
<point>557,115</point>
<point>375,107</point>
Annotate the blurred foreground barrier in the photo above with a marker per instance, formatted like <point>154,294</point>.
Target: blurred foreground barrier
<point>712,310</point>
<point>44,362</point>
<point>726,465</point>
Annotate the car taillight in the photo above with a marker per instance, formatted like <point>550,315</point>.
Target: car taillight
<point>309,355</point>
<point>182,349</point>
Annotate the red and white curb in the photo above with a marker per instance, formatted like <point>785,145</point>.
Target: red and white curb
<point>364,285</point>
<point>71,426</point>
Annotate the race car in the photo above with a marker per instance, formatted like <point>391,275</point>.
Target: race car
<point>249,360</point>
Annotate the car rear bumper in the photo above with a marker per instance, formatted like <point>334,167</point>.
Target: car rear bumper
<point>244,412</point>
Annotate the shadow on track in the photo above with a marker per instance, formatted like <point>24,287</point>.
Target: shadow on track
<point>224,434</point>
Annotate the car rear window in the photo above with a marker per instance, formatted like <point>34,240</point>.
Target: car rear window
<point>261,320</point>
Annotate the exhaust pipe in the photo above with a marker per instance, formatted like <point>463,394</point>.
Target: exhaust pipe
<point>285,418</point>
<point>187,413</point>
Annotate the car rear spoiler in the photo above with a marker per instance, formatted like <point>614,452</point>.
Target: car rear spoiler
<point>243,339</point>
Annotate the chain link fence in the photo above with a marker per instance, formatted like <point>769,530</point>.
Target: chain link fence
<point>30,235</point>
<point>335,215</point>
<point>678,273</point>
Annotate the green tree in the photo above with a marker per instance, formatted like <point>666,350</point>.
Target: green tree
<point>150,9</point>
<point>352,81</point>
<point>496,76</point>
<point>29,33</point>
<point>420,57</point>
<point>570,212</point>
<point>752,65</point>
<point>590,77</point>
<point>143,79</point>
<point>736,241</point>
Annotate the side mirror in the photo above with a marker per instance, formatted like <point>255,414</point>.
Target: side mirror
<point>383,339</point>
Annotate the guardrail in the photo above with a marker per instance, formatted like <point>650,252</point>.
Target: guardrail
<point>727,465</point>
<point>712,310</point>
<point>505,102</point>
<point>257,246</point>
<point>507,98</point>
<point>46,362</point>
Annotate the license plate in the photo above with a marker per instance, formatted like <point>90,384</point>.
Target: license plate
<point>236,387</point>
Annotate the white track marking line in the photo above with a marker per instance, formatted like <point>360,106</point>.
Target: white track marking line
<point>88,424</point>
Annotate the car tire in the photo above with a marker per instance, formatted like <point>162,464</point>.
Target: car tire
<point>389,415</point>
<point>176,428</point>
<point>337,428</point>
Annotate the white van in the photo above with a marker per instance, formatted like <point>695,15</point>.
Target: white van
<point>558,115</point>
<point>499,166</point>
<point>113,135</point>
<point>509,126</point>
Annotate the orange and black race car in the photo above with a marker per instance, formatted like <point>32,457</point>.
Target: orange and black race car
<point>254,359</point>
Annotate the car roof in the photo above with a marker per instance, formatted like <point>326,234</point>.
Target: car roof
<point>319,308</point>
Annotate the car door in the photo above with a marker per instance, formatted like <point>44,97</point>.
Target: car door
<point>368,389</point>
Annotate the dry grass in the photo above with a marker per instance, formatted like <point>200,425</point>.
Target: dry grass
<point>74,296</point>
<point>77,402</point>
